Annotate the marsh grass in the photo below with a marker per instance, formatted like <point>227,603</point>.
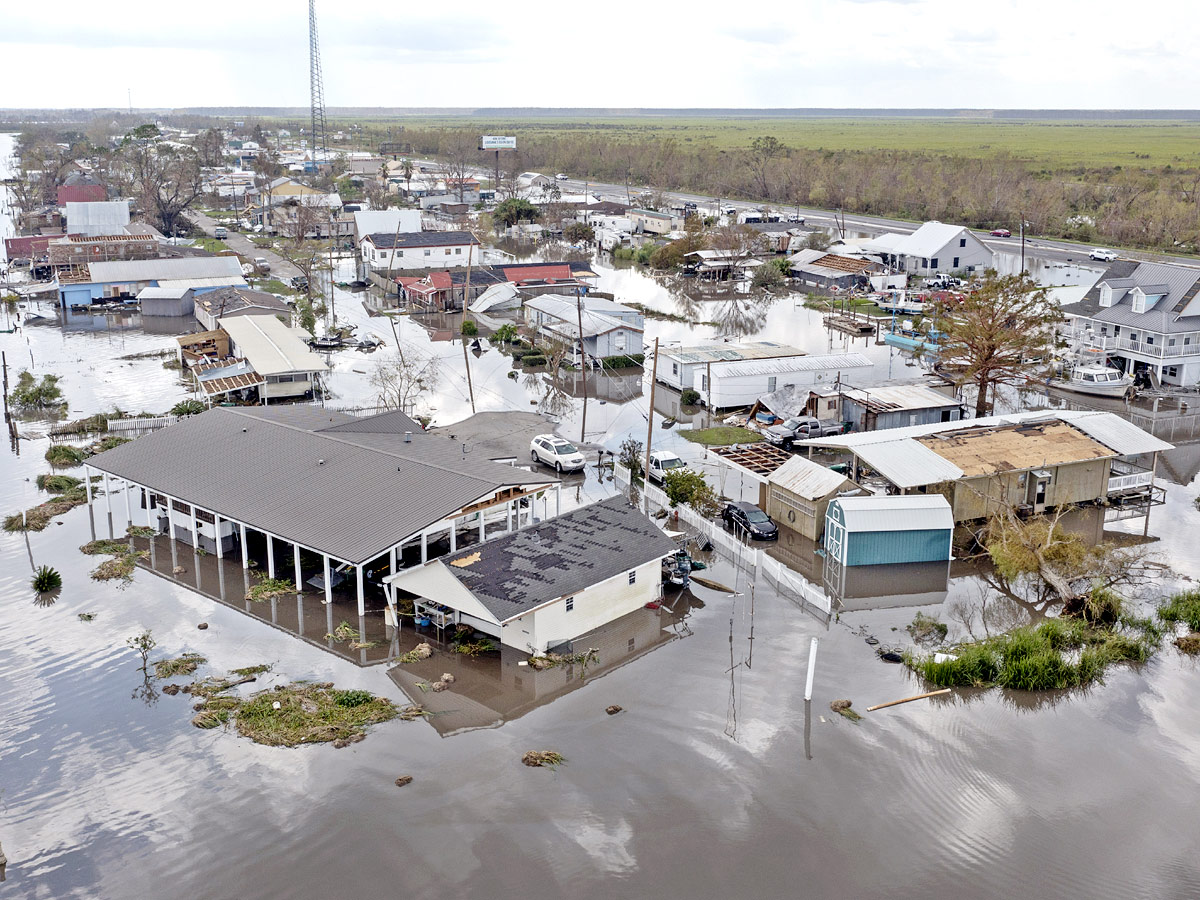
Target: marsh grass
<point>65,455</point>
<point>180,665</point>
<point>58,484</point>
<point>38,517</point>
<point>251,670</point>
<point>1055,655</point>
<point>1182,607</point>
<point>309,714</point>
<point>266,588</point>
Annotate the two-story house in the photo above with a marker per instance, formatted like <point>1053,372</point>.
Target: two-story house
<point>1142,316</point>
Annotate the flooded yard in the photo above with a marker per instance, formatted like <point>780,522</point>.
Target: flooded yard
<point>716,780</point>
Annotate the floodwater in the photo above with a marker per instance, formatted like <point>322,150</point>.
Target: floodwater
<point>717,780</point>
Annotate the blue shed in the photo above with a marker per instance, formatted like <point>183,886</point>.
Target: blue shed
<point>876,531</point>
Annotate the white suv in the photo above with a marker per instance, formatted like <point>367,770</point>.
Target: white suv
<point>554,451</point>
<point>1103,255</point>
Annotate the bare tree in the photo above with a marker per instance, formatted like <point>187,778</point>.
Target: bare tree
<point>402,378</point>
<point>763,150</point>
<point>166,180</point>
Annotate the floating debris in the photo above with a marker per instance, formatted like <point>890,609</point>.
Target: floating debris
<point>266,588</point>
<point>203,626</point>
<point>404,781</point>
<point>553,660</point>
<point>612,710</point>
<point>86,617</point>
<point>842,707</point>
<point>711,585</point>
<point>417,653</point>
<point>1189,643</point>
<point>541,758</point>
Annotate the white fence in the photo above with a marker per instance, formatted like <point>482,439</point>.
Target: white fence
<point>789,583</point>
<point>1125,482</point>
<point>154,423</point>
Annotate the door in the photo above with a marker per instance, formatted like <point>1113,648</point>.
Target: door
<point>835,539</point>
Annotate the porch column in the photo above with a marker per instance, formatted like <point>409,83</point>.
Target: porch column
<point>217,529</point>
<point>245,549</point>
<point>87,480</point>
<point>482,512</point>
<point>362,606</point>
<point>296,560</point>
<point>195,527</point>
<point>392,561</point>
<point>270,557</point>
<point>558,499</point>
<point>108,497</point>
<point>508,511</point>
<point>171,519</point>
<point>328,585</point>
<point>424,547</point>
<point>128,504</point>
<point>453,536</point>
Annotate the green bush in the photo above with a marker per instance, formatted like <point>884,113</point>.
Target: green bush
<point>29,394</point>
<point>622,362</point>
<point>46,579</point>
<point>65,455</point>
<point>469,328</point>
<point>533,359</point>
<point>687,486</point>
<point>689,397</point>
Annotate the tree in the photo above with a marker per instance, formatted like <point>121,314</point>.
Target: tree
<point>407,169</point>
<point>166,180</point>
<point>737,243</point>
<point>817,240</point>
<point>403,378</point>
<point>687,486</point>
<point>514,210</point>
<point>579,233</point>
<point>1001,334</point>
<point>762,151</point>
<point>767,276</point>
<point>210,145</point>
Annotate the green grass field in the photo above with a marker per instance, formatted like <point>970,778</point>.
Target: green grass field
<point>1046,143</point>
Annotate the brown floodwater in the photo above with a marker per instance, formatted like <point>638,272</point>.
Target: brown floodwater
<point>716,780</point>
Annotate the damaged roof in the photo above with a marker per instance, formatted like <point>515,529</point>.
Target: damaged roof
<point>559,557</point>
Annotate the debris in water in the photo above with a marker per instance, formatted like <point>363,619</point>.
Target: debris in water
<point>252,670</point>
<point>86,617</point>
<point>908,699</point>
<point>890,656</point>
<point>926,630</point>
<point>181,665</point>
<point>1189,643</point>
<point>539,758</point>
<point>552,660</point>
<point>203,626</point>
<point>179,570</point>
<point>872,640</point>
<point>171,689</point>
<point>404,780</point>
<point>612,710</point>
<point>711,585</point>
<point>417,653</point>
<point>842,707</point>
<point>448,678</point>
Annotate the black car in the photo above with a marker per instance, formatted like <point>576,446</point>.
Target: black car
<point>749,519</point>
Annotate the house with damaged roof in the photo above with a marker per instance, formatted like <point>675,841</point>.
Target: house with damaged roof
<point>545,585</point>
<point>1143,317</point>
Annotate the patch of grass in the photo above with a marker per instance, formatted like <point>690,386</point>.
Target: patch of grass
<point>1182,607</point>
<point>1055,655</point>
<point>142,531</point>
<point>212,245</point>
<point>266,588</point>
<point>180,665</point>
<point>309,714</point>
<point>105,547</point>
<point>107,443</point>
<point>1189,643</point>
<point>273,286</point>
<point>926,630</point>
<point>121,566</point>
<point>58,484</point>
<point>38,517</point>
<point>721,435</point>
<point>251,670</point>
<point>65,455</point>
<point>46,579</point>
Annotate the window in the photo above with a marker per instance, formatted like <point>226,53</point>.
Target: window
<point>933,263</point>
<point>962,242</point>
<point>458,251</point>
<point>447,251</point>
<point>704,382</point>
<point>674,368</point>
<point>1149,339</point>
<point>428,252</point>
<point>570,602</point>
<point>1171,342</point>
<point>1172,371</point>
<point>956,262</point>
<point>771,384</point>
<point>631,645</point>
<point>633,576</point>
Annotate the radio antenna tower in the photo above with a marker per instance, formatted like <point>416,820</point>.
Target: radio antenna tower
<point>320,150</point>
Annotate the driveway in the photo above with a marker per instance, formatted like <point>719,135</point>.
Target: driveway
<point>238,242</point>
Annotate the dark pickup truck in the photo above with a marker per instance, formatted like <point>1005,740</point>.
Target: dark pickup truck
<point>799,428</point>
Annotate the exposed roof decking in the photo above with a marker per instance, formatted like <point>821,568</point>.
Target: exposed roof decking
<point>702,353</point>
<point>1014,448</point>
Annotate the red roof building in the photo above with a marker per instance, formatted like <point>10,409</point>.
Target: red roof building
<point>81,193</point>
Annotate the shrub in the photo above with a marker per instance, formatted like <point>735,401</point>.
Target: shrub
<point>469,328</point>
<point>30,394</point>
<point>686,486</point>
<point>622,362</point>
<point>690,397</point>
<point>533,359</point>
<point>1182,607</point>
<point>505,334</point>
<point>46,579</point>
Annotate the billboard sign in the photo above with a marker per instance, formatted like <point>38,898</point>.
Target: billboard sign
<point>496,142</point>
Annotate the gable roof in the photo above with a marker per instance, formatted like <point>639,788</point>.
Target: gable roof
<point>272,347</point>
<point>167,268</point>
<point>558,557</point>
<point>568,318</point>
<point>808,479</point>
<point>235,301</point>
<point>349,494</point>
<point>380,221</point>
<point>1180,284</point>
<point>913,512</point>
<point>931,238</point>
<point>701,353</point>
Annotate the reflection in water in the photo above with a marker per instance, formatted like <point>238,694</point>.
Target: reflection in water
<point>487,692</point>
<point>45,599</point>
<point>147,691</point>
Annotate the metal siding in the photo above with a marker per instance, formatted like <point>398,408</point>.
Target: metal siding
<point>876,548</point>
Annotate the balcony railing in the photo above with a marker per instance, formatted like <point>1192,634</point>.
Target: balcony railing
<point>1159,348</point>
<point>1117,483</point>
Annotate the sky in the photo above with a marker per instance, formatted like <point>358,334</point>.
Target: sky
<point>990,54</point>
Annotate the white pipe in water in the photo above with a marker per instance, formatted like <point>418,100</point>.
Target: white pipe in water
<point>812,669</point>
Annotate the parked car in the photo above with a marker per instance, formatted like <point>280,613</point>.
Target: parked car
<point>795,219</point>
<point>746,518</point>
<point>562,176</point>
<point>1001,232</point>
<point>552,450</point>
<point>299,283</point>
<point>261,265</point>
<point>1103,255</point>
<point>798,428</point>
<point>220,232</point>
<point>662,462</point>
<point>943,282</point>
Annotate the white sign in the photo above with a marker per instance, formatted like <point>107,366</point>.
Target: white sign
<point>495,142</point>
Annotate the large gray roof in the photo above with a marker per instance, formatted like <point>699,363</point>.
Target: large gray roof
<point>560,556</point>
<point>351,495</point>
<point>1174,313</point>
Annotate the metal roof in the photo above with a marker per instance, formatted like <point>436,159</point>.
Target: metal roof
<point>807,479</point>
<point>900,396</point>
<point>912,512</point>
<point>163,292</point>
<point>931,238</point>
<point>822,363</point>
<point>349,495</point>
<point>701,353</point>
<point>97,217</point>
<point>907,463</point>
<point>272,347</point>
<point>167,268</point>
<point>389,241</point>
<point>558,557</point>
<point>218,282</point>
<point>1114,432</point>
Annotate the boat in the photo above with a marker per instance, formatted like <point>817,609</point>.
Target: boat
<point>900,301</point>
<point>1096,379</point>
<point>326,343</point>
<point>906,337</point>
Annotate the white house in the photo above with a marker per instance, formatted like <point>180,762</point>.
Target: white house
<point>932,248</point>
<point>677,366</point>
<point>419,250</point>
<point>277,352</point>
<point>724,385</point>
<point>1143,317</point>
<point>651,222</point>
<point>608,328</point>
<point>385,221</point>
<point>543,586</point>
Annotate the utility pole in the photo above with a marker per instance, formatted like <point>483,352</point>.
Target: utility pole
<point>392,259</point>
<point>1022,243</point>
<point>466,358</point>
<point>582,364</point>
<point>650,419</point>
